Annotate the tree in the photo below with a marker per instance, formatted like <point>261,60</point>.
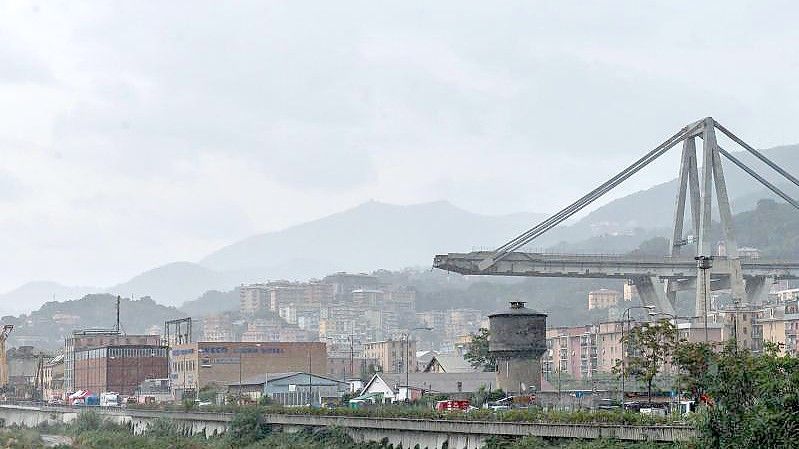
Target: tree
<point>477,353</point>
<point>755,400</point>
<point>247,427</point>
<point>693,360</point>
<point>648,348</point>
<point>483,395</point>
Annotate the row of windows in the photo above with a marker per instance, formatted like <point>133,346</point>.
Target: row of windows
<point>184,365</point>
<point>120,352</point>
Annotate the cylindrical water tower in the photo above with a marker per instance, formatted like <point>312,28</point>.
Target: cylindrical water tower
<point>518,340</point>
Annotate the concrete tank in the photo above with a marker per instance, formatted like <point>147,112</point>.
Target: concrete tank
<point>518,340</point>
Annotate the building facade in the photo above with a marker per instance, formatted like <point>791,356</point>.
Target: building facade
<point>216,364</point>
<point>53,379</point>
<point>392,356</point>
<point>603,298</point>
<point>119,368</point>
<point>90,339</point>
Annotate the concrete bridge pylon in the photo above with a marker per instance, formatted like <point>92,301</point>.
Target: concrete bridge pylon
<point>658,280</point>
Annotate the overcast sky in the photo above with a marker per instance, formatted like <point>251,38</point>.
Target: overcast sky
<point>138,133</point>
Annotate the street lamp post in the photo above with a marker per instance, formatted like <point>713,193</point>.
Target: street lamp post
<point>705,263</point>
<point>623,350</point>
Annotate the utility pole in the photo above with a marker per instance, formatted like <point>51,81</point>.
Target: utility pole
<point>705,263</point>
<point>240,370</point>
<point>352,356</point>
<point>310,379</point>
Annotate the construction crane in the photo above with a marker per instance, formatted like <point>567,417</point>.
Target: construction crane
<point>3,359</point>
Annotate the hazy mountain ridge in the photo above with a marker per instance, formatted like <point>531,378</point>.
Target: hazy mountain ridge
<point>18,301</point>
<point>772,227</point>
<point>371,236</point>
<point>47,326</point>
<point>175,283</point>
<point>658,201</point>
<point>376,235</point>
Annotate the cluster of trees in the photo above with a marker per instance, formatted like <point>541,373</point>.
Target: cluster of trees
<point>747,399</point>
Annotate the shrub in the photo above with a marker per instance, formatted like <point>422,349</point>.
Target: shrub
<point>247,427</point>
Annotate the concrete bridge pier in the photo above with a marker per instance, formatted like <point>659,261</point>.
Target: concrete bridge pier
<point>653,293</point>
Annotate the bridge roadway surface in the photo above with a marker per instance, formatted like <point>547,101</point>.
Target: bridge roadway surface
<point>604,266</point>
<point>409,432</point>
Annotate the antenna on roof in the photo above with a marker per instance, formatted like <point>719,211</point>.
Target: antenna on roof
<point>117,325</point>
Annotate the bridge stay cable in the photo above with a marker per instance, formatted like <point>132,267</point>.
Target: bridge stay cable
<point>757,154</point>
<point>521,240</point>
<point>754,174</point>
<point>594,194</point>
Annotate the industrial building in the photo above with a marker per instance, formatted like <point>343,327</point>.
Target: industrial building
<point>200,364</point>
<point>25,371</point>
<point>291,389</point>
<point>84,340</point>
<point>119,368</point>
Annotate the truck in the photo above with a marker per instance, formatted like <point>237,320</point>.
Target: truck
<point>451,405</point>
<point>110,399</point>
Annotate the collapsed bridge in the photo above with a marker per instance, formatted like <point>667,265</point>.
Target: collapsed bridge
<point>657,279</point>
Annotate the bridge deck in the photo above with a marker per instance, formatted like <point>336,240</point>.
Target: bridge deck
<point>605,266</point>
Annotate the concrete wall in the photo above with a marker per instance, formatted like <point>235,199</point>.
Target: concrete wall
<point>408,432</point>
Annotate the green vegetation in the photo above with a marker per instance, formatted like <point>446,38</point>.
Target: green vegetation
<point>247,431</point>
<point>539,443</point>
<point>754,399</point>
<point>91,311</point>
<point>20,439</point>
<point>477,353</point>
<point>651,346</point>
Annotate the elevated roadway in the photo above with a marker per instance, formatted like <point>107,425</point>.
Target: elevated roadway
<point>656,278</point>
<point>605,266</point>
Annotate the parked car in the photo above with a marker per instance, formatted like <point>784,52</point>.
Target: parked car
<point>451,405</point>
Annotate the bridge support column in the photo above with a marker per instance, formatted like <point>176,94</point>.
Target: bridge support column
<point>653,293</point>
<point>757,289</point>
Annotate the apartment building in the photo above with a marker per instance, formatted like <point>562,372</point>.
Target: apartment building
<point>392,355</point>
<point>603,298</point>
<point>218,328</point>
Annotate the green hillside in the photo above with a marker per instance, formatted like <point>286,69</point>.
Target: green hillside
<point>47,327</point>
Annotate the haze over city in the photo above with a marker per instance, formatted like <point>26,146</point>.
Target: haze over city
<point>138,134</point>
<point>250,224</point>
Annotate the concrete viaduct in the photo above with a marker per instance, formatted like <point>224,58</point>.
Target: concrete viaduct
<point>659,279</point>
<point>430,434</point>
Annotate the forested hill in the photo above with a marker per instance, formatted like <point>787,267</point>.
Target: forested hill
<point>47,327</point>
<point>772,227</point>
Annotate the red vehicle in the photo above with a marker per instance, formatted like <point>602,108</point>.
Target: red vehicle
<point>450,405</point>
